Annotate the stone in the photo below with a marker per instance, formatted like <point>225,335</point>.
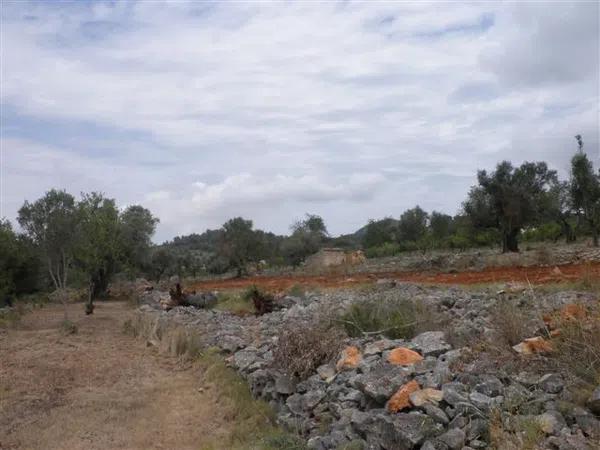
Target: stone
<point>454,438</point>
<point>593,402</point>
<point>427,395</point>
<point>349,359</point>
<point>490,386</point>
<point>326,372</point>
<point>437,414</point>
<point>533,345</point>
<point>380,383</point>
<point>431,343</point>
<point>551,383</point>
<point>244,358</point>
<point>295,403</point>
<point>403,356</point>
<point>434,445</point>
<point>375,348</point>
<point>551,422</point>
<point>481,401</point>
<point>405,431</point>
<point>285,385</point>
<point>401,399</point>
<point>454,393</point>
<point>312,399</point>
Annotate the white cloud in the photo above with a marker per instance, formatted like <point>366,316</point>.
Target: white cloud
<point>207,111</point>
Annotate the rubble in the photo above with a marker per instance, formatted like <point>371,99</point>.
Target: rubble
<point>385,394</point>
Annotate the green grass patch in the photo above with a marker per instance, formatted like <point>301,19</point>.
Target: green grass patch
<point>234,302</point>
<point>252,421</point>
<point>393,319</point>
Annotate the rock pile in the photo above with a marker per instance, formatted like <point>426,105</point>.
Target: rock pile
<point>395,394</point>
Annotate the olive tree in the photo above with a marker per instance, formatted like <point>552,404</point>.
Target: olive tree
<point>510,198</point>
<point>50,222</point>
<point>585,190</point>
<point>239,244</point>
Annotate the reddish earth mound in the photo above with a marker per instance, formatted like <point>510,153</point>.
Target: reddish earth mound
<point>533,275</point>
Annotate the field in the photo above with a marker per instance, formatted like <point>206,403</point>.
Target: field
<point>100,388</point>
<point>568,273</point>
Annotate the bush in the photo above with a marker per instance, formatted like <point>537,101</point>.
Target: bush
<point>577,349</point>
<point>67,327</point>
<point>301,350</point>
<point>397,319</point>
<point>263,301</point>
<point>510,322</point>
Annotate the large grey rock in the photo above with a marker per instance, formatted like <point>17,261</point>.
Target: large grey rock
<point>436,413</point>
<point>551,383</point>
<point>406,431</point>
<point>490,386</point>
<point>244,358</point>
<point>481,401</point>
<point>312,399</point>
<point>594,401</point>
<point>285,384</point>
<point>454,438</point>
<point>455,393</point>
<point>381,382</point>
<point>431,343</point>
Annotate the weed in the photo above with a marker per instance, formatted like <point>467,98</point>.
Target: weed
<point>235,303</point>
<point>301,350</point>
<point>67,327</point>
<point>297,290</point>
<point>395,320</point>
<point>253,420</point>
<point>510,321</point>
<point>577,349</point>
<point>9,317</point>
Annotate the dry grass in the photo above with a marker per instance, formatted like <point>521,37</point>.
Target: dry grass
<point>301,350</point>
<point>511,322</point>
<point>101,388</point>
<point>233,301</point>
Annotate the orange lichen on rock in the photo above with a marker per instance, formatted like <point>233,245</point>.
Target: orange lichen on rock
<point>533,345</point>
<point>350,358</point>
<point>401,399</point>
<point>403,356</point>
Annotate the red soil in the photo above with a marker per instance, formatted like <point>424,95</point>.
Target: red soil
<point>533,275</point>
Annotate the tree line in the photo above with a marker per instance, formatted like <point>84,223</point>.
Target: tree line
<point>66,241</point>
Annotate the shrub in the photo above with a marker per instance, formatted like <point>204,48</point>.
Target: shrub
<point>235,303</point>
<point>68,327</point>
<point>577,349</point>
<point>263,301</point>
<point>397,319</point>
<point>510,322</point>
<point>301,350</point>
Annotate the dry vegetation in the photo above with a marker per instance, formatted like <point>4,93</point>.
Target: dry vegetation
<point>100,388</point>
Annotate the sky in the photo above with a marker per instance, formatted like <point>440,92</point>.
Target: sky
<point>203,111</point>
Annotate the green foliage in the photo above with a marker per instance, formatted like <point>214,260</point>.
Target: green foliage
<point>440,225</point>
<point>51,222</point>
<point>510,197</point>
<point>380,232</point>
<point>239,244</point>
<point>136,228</point>
<point>307,237</point>
<point>19,267</point>
<point>413,224</point>
<point>585,192</point>
<point>393,319</point>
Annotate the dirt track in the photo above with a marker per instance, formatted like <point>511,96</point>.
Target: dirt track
<point>533,275</point>
<point>100,389</point>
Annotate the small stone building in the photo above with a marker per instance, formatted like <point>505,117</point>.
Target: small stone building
<point>334,257</point>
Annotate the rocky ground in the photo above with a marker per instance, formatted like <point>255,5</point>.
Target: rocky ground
<point>463,380</point>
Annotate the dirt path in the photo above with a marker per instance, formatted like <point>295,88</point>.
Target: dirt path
<point>533,275</point>
<point>98,389</point>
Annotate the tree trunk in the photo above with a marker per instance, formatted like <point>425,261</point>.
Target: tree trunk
<point>510,241</point>
<point>595,236</point>
<point>89,306</point>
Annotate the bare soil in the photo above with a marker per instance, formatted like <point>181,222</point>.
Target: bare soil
<point>99,388</point>
<point>567,273</point>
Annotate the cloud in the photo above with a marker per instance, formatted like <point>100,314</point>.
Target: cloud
<point>354,110</point>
